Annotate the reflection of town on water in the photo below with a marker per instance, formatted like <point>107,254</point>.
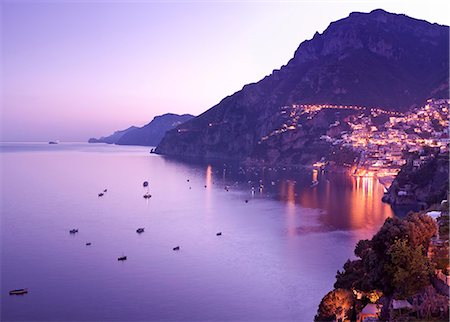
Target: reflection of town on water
<point>344,202</point>
<point>208,186</point>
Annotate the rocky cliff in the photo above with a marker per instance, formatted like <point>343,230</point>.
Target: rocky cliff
<point>420,183</point>
<point>147,135</point>
<point>375,59</point>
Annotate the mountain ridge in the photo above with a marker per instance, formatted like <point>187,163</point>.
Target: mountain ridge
<point>375,59</point>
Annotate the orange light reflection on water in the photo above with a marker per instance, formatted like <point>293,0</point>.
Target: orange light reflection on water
<point>290,208</point>
<point>350,203</point>
<point>208,184</point>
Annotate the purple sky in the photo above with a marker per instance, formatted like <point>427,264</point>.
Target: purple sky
<point>76,69</point>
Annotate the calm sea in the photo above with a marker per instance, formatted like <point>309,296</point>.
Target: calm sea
<point>277,256</point>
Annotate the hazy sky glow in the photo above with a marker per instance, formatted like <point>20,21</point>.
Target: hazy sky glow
<point>76,69</point>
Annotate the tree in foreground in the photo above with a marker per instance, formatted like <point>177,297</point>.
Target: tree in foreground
<point>393,264</point>
<point>337,305</point>
<point>408,268</point>
<point>395,256</point>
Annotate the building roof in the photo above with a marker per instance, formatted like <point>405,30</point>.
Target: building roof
<point>401,304</point>
<point>371,309</point>
<point>434,214</point>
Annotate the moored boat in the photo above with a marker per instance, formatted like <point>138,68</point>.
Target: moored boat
<point>20,291</point>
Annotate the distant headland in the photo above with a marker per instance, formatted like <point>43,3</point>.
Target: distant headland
<point>148,135</point>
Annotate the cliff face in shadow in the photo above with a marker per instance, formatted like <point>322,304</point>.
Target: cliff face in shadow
<point>375,59</point>
<point>425,183</point>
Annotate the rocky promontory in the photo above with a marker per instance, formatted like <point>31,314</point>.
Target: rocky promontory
<point>422,181</point>
<point>148,135</point>
<point>113,138</point>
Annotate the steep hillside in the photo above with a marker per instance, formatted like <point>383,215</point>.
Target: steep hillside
<point>375,59</point>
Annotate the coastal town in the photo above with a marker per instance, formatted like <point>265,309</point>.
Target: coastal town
<point>383,139</point>
<point>403,151</point>
<point>384,147</point>
<point>408,153</point>
<point>232,160</point>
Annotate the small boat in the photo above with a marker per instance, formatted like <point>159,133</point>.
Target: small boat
<point>140,230</point>
<point>101,194</point>
<point>145,184</point>
<point>73,231</point>
<point>219,234</point>
<point>19,291</point>
<point>176,248</point>
<point>314,183</point>
<point>147,196</point>
<point>53,142</point>
<point>88,244</point>
<point>187,180</point>
<point>246,200</point>
<point>122,258</point>
<point>105,190</point>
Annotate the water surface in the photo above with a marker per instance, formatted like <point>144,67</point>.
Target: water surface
<point>276,258</point>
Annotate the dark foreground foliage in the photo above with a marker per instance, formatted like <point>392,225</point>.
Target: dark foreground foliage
<point>394,263</point>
